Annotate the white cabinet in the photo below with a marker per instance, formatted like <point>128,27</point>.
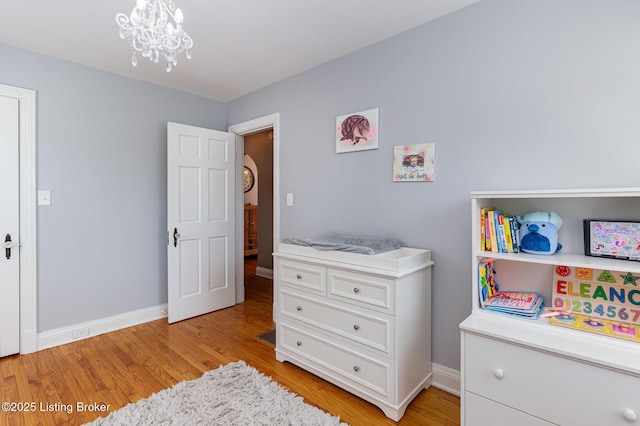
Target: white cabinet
<point>361,322</point>
<point>525,372</point>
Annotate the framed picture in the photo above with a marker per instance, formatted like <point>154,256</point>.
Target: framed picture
<point>357,132</point>
<point>619,239</point>
<point>414,162</point>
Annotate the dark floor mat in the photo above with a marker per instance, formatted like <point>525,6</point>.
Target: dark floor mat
<point>269,337</point>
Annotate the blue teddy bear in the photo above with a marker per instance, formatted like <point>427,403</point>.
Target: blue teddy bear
<point>539,232</point>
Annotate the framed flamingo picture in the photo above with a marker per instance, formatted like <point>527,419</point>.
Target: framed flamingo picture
<point>414,162</point>
<point>357,132</point>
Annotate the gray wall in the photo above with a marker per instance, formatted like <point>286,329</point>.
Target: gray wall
<point>101,150</point>
<point>515,94</point>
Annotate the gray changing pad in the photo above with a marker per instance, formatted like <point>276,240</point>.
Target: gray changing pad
<point>348,243</point>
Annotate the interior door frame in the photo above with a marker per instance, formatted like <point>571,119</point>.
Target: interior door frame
<point>272,122</point>
<point>28,224</point>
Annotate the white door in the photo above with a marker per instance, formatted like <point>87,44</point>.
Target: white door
<point>9,228</point>
<point>201,186</point>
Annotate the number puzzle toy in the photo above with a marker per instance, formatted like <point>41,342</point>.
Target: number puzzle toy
<point>597,300</point>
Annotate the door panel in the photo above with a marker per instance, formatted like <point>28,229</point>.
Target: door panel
<point>9,226</point>
<point>189,195</point>
<point>189,267</point>
<point>201,213</point>
<point>218,262</point>
<point>218,183</point>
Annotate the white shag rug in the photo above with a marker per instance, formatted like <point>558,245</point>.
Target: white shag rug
<point>234,394</point>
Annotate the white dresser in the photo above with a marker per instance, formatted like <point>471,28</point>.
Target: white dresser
<point>528,372</point>
<point>362,322</point>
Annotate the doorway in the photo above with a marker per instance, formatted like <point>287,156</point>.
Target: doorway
<point>258,200</point>
<point>258,214</point>
<point>267,123</point>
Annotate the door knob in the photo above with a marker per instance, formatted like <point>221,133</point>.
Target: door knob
<point>630,415</point>
<point>7,246</point>
<point>175,237</point>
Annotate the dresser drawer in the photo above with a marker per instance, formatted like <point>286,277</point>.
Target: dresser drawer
<point>374,331</point>
<point>554,388</point>
<point>480,411</point>
<point>369,291</point>
<point>356,369</point>
<point>304,276</point>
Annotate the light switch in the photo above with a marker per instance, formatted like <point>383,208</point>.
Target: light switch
<point>44,198</point>
<point>289,199</point>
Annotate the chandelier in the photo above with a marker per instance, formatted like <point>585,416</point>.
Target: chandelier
<point>154,28</point>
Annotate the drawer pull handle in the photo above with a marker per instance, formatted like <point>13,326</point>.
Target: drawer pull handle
<point>299,276</point>
<point>499,373</point>
<point>630,415</point>
<point>299,343</point>
<point>356,368</point>
<point>298,308</point>
<point>356,290</point>
<point>356,327</point>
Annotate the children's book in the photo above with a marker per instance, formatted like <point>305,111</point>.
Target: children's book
<point>483,228</point>
<point>487,286</point>
<point>507,233</point>
<point>523,304</point>
<point>502,236</point>
<point>515,233</point>
<point>493,231</point>
<point>535,314</point>
<point>487,232</point>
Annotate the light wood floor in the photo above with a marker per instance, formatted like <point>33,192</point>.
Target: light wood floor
<point>126,365</point>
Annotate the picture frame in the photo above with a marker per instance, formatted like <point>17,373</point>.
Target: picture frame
<point>618,239</point>
<point>357,131</point>
<point>414,163</point>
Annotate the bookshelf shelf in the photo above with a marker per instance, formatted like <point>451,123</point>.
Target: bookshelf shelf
<point>508,363</point>
<point>569,259</point>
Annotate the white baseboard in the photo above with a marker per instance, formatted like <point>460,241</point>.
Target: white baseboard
<point>264,272</point>
<point>446,378</point>
<point>61,336</point>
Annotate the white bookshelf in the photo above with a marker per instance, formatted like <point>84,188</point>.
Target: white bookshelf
<point>519,366</point>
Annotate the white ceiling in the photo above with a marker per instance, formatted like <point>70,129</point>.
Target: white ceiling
<point>239,45</point>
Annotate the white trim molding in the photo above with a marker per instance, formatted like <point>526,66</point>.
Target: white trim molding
<point>263,272</point>
<point>64,335</point>
<point>446,378</point>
